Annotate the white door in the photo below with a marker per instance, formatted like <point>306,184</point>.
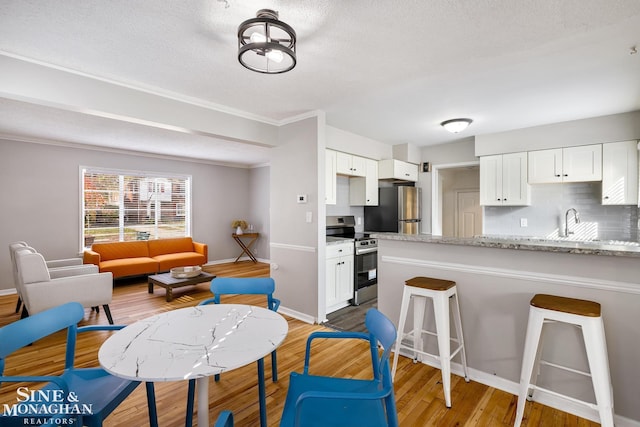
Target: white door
<point>468,214</point>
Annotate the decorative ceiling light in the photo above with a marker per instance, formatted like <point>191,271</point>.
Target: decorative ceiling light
<point>456,125</point>
<point>265,44</point>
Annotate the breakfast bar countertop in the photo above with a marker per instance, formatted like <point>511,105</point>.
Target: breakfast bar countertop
<point>595,247</point>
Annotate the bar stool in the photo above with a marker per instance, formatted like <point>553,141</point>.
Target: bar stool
<point>441,293</point>
<point>585,315</point>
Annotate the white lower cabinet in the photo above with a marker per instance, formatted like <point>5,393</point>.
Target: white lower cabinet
<point>339,265</point>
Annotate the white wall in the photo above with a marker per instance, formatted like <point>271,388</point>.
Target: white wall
<point>42,198</point>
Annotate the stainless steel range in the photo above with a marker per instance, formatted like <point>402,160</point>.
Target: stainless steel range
<point>365,274</point>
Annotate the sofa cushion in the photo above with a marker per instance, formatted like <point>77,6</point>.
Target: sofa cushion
<point>130,266</point>
<point>119,250</point>
<point>170,246</point>
<point>168,261</point>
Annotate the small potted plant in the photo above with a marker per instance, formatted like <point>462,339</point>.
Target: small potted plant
<point>239,225</point>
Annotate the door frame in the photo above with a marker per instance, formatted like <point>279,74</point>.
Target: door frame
<point>436,193</point>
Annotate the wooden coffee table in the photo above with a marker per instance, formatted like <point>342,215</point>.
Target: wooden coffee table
<point>169,282</point>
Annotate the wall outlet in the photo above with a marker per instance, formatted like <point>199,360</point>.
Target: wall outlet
<point>523,222</point>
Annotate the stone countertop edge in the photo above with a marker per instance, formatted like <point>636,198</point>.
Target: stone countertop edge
<point>573,247</point>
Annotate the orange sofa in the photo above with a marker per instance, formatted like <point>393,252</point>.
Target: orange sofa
<point>141,257</point>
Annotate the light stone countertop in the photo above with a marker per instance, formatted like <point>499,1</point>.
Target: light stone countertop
<point>337,240</point>
<point>607,248</point>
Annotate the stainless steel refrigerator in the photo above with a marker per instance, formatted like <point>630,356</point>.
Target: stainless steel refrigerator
<point>398,211</point>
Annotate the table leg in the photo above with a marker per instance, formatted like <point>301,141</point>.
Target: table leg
<point>202,385</point>
<point>151,404</point>
<point>169,295</point>
<point>150,287</point>
<point>262,394</point>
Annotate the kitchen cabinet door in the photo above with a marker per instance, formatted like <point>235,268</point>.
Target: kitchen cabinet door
<point>330,178</point>
<point>397,169</point>
<point>503,180</point>
<point>339,276</point>
<point>571,164</point>
<point>620,173</point>
<point>544,166</point>
<point>348,164</point>
<point>515,189</point>
<point>582,164</point>
<point>363,191</point>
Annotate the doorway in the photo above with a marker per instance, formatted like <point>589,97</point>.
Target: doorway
<point>456,210</point>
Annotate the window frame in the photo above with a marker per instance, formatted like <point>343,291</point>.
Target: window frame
<point>185,206</point>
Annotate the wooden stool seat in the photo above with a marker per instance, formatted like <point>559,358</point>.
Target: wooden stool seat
<point>549,309</point>
<point>567,305</point>
<point>430,283</point>
<point>442,293</point>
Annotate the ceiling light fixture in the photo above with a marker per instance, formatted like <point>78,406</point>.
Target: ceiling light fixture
<point>456,125</point>
<point>265,44</point>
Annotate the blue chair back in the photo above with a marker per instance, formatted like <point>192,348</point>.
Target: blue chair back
<point>382,331</point>
<point>20,334</point>
<point>245,286</point>
<point>80,381</point>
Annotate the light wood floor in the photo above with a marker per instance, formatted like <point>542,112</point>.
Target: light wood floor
<point>418,387</point>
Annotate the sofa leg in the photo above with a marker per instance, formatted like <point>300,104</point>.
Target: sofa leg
<point>108,313</point>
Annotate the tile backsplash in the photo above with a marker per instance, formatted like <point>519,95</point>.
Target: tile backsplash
<point>546,215</point>
<point>342,206</point>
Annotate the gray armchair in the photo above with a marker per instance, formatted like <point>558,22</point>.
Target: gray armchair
<point>57,268</point>
<point>41,288</point>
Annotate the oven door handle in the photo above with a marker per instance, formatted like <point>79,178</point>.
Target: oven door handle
<point>366,251</point>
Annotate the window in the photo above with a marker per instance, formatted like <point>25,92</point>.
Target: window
<point>132,205</point>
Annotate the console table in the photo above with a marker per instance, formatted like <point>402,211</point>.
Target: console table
<point>246,247</point>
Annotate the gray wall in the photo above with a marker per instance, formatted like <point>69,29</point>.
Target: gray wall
<point>294,241</point>
<point>42,198</point>
<point>259,213</point>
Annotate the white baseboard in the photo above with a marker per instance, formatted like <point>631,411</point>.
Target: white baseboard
<point>10,291</point>
<point>297,315</point>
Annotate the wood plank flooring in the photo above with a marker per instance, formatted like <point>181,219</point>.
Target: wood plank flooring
<point>419,395</point>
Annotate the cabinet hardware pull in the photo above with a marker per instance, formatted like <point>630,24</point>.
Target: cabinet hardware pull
<point>565,174</point>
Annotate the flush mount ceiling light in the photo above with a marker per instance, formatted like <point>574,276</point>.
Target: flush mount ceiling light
<point>456,125</point>
<point>265,44</point>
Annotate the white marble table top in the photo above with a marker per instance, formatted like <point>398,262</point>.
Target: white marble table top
<point>192,342</point>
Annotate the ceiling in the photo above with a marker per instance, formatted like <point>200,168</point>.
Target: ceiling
<point>387,70</point>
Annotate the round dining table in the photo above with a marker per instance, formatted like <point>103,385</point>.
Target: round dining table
<point>195,343</point>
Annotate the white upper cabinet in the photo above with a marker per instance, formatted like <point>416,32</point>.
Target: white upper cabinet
<point>503,180</point>
<point>348,164</point>
<point>397,169</point>
<point>620,173</point>
<point>330,178</point>
<point>571,164</point>
<point>363,191</point>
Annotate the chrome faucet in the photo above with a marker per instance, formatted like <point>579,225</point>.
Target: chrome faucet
<point>576,218</point>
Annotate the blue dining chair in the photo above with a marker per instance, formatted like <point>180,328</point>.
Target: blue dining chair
<point>93,390</point>
<point>322,401</point>
<point>240,286</point>
<point>225,419</point>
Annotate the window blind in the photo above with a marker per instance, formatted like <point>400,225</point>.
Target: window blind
<point>133,205</point>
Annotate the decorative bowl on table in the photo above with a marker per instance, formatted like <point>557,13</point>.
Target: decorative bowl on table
<point>185,272</point>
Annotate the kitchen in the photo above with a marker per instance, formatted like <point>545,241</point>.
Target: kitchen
<point>497,277</point>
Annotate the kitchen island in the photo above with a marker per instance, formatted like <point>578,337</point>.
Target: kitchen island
<point>496,279</point>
